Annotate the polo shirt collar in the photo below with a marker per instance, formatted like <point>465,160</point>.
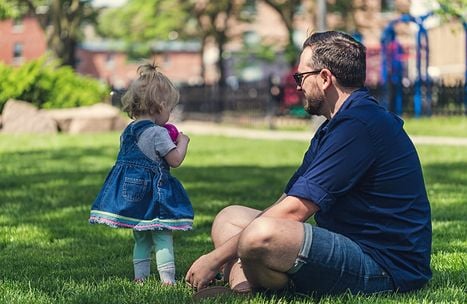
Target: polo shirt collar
<point>357,95</point>
<point>362,93</point>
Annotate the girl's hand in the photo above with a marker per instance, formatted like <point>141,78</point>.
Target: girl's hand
<point>182,138</point>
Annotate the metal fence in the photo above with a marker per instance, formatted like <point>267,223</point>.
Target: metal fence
<point>256,100</point>
<point>253,103</point>
<point>437,99</point>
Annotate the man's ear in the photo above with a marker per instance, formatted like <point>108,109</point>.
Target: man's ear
<point>326,78</point>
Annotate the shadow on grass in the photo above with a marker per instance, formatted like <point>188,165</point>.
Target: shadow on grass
<point>446,185</point>
<point>46,196</point>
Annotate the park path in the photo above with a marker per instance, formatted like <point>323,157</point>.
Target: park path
<point>210,128</point>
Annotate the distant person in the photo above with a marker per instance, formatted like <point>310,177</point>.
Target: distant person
<point>362,181</point>
<point>291,97</point>
<point>139,193</point>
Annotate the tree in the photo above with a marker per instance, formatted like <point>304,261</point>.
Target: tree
<point>453,8</point>
<point>344,8</point>
<point>61,20</point>
<point>140,22</point>
<point>212,20</point>
<point>7,10</point>
<point>287,11</point>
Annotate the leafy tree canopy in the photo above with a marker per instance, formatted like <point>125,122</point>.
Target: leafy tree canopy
<point>7,10</point>
<point>140,22</point>
<point>453,8</point>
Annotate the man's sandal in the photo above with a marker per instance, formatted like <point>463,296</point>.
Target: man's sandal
<point>217,291</point>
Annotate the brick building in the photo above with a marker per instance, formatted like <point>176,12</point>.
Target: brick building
<point>21,40</point>
<point>107,61</point>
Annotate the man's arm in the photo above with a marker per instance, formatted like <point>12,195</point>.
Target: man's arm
<point>292,208</point>
<point>206,267</point>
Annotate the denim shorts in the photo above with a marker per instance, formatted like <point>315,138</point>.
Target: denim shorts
<point>330,264</point>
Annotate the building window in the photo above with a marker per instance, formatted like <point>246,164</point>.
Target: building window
<point>18,25</point>
<point>248,11</point>
<point>166,60</point>
<point>387,5</point>
<point>110,61</point>
<point>17,52</point>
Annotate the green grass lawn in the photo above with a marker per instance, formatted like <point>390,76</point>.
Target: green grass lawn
<point>452,126</point>
<point>50,254</point>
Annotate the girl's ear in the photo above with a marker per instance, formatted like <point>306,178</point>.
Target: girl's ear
<point>156,109</point>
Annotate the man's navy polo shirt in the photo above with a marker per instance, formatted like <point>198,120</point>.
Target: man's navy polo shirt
<point>363,172</point>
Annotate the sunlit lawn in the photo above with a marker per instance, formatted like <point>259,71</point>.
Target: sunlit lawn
<point>451,126</point>
<point>50,254</point>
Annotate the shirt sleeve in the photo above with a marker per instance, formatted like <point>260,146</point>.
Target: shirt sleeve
<point>342,156</point>
<point>162,141</point>
<point>307,158</point>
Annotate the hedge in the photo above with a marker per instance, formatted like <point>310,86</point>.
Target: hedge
<point>47,85</point>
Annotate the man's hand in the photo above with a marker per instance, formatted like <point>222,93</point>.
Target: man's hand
<point>202,272</point>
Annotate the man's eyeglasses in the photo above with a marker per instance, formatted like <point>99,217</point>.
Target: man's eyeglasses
<point>299,76</point>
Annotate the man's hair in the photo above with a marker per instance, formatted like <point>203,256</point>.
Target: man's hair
<point>149,93</point>
<point>341,54</point>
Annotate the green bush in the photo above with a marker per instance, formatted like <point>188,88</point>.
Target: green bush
<point>47,85</point>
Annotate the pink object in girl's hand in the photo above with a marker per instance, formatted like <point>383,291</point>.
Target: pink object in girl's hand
<point>173,132</point>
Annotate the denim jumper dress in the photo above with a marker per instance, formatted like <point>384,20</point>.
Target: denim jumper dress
<point>140,193</point>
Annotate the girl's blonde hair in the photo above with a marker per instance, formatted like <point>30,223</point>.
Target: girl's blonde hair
<point>151,92</point>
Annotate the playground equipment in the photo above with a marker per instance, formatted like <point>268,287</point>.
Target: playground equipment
<point>392,69</point>
<point>393,65</point>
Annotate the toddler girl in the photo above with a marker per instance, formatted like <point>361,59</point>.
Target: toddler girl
<point>139,193</point>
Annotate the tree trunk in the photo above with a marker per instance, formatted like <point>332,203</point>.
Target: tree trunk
<point>203,65</point>
<point>287,13</point>
<point>220,63</point>
<point>61,25</point>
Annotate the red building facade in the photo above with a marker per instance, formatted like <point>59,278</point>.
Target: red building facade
<point>107,61</point>
<point>106,64</point>
<point>21,40</point>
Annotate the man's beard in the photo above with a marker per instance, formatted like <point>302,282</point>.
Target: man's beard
<point>313,106</point>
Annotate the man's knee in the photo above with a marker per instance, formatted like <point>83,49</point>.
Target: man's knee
<point>236,215</point>
<point>225,215</point>
<point>223,224</point>
<point>256,239</point>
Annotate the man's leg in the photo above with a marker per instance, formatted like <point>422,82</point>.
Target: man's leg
<point>331,263</point>
<point>274,251</point>
<point>229,222</point>
<point>268,248</point>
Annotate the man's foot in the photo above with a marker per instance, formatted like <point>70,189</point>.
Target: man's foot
<point>139,281</point>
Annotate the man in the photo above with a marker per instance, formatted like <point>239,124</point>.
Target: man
<point>361,179</point>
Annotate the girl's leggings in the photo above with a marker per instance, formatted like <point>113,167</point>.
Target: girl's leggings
<point>163,244</point>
